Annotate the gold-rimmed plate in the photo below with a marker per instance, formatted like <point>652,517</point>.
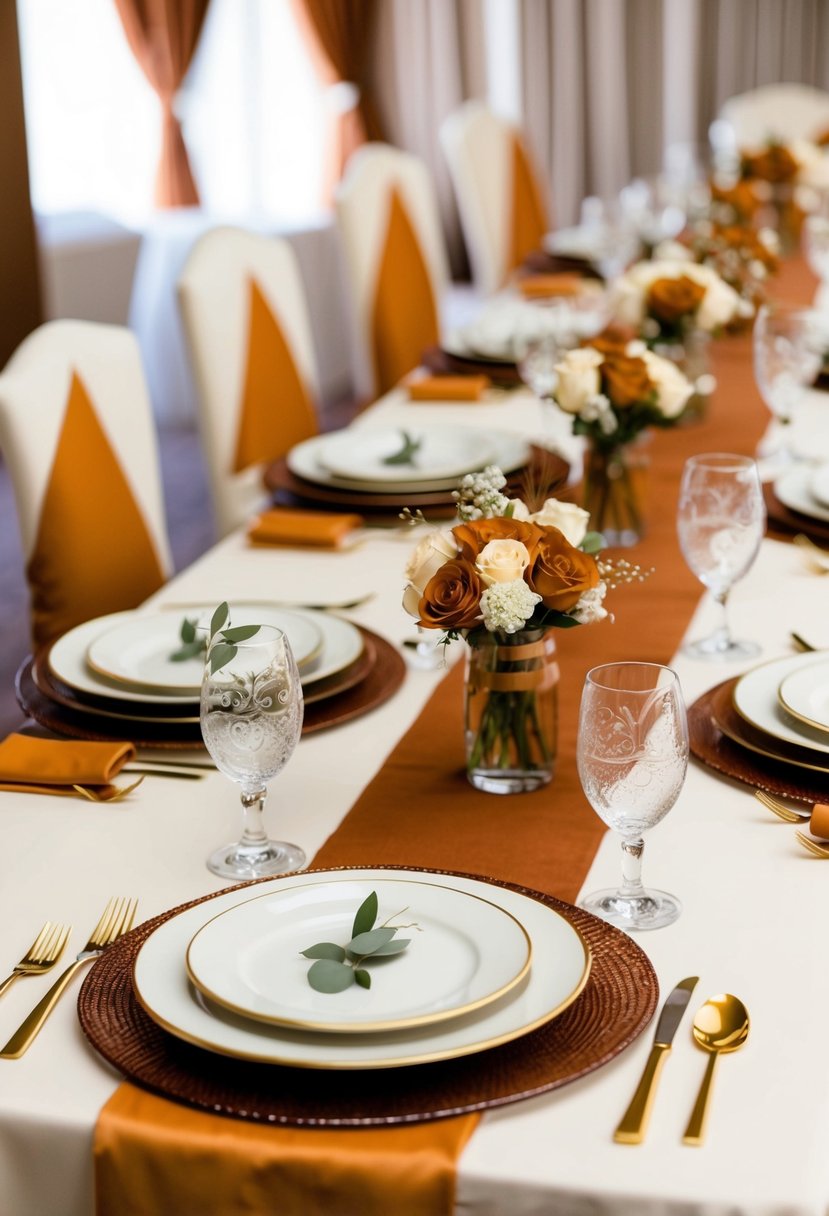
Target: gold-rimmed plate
<point>463,953</point>
<point>756,701</point>
<point>735,728</point>
<point>804,695</point>
<point>561,965</point>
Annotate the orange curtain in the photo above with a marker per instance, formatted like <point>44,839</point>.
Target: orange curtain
<point>339,33</point>
<point>163,35</point>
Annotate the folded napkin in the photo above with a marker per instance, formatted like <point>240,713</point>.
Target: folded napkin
<point>285,526</point>
<point>819,822</point>
<point>542,286</point>
<point>449,388</point>
<point>33,765</point>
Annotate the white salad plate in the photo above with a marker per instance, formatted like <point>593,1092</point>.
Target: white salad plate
<point>342,644</point>
<point>508,452</point>
<point>819,484</point>
<point>363,453</point>
<point>805,695</point>
<point>136,653</point>
<point>559,971</point>
<point>462,953</point>
<point>756,700</point>
<point>794,489</point>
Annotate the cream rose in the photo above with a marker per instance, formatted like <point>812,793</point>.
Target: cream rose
<point>578,379</point>
<point>672,388</point>
<point>502,561</point>
<point>571,520</point>
<point>718,306</point>
<point>720,302</point>
<point>430,553</point>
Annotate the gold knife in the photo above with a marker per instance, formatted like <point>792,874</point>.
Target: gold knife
<point>634,1122</point>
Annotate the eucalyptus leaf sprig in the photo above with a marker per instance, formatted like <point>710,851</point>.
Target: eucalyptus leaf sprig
<point>338,967</point>
<point>408,451</point>
<point>225,650</point>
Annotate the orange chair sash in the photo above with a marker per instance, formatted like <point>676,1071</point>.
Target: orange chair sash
<point>528,215</point>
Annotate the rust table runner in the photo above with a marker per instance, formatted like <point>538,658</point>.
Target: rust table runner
<point>152,1155</point>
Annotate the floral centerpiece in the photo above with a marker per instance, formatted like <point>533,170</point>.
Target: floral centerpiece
<point>665,299</point>
<point>614,390</point>
<point>790,178</point>
<point>503,579</point>
<point>742,257</point>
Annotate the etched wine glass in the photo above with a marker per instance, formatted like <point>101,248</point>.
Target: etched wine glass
<point>632,755</point>
<point>721,520</point>
<point>788,354</point>
<point>251,717</point>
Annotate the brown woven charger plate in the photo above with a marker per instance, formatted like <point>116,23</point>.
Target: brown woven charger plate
<point>713,748</point>
<point>616,1005</point>
<point>783,519</point>
<point>380,682</point>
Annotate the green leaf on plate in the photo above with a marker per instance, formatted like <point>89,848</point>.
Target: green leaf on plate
<point>366,915</point>
<point>188,631</point>
<point>393,947</point>
<point>326,975</point>
<point>325,950</point>
<point>362,977</point>
<point>367,943</point>
<point>190,650</point>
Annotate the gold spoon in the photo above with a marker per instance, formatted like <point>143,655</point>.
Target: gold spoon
<point>721,1024</point>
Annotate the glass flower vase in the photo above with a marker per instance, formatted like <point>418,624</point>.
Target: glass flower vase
<point>511,710</point>
<point>613,491</point>
<point>690,352</point>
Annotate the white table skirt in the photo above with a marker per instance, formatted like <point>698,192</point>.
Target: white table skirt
<point>752,902</point>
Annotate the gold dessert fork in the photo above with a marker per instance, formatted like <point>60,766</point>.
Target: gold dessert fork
<point>116,919</point>
<point>786,813</point>
<point>42,955</point>
<point>813,846</point>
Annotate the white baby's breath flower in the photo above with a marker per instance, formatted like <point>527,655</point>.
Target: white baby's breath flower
<point>478,495</point>
<point>508,606</point>
<point>590,607</point>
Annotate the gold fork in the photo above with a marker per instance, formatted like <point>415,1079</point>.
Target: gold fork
<point>787,814</point>
<point>116,919</point>
<point>42,955</point>
<point>120,792</point>
<point>817,850</point>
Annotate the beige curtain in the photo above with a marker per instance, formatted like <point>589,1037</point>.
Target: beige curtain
<point>163,35</point>
<point>339,34</point>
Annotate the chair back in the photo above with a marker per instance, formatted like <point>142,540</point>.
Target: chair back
<point>395,261</point>
<point>77,434</point>
<point>246,326</point>
<point>779,112</point>
<point>500,200</point>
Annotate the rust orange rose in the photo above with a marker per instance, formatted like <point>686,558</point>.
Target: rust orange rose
<point>613,340</point>
<point>775,164</point>
<point>473,536</point>
<point>625,380</point>
<point>670,299</point>
<point>741,197</point>
<point>559,572</point>
<point>451,599</point>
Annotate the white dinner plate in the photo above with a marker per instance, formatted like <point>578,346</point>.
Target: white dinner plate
<point>819,485</point>
<point>560,967</point>
<point>794,489</point>
<point>361,453</point>
<point>756,700</point>
<point>463,952</point>
<point>509,452</point>
<point>805,695</point>
<point>136,653</point>
<point>342,645</point>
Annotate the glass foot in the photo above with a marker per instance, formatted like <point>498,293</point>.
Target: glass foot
<point>716,649</point>
<point>240,862</point>
<point>509,780</point>
<point>650,910</point>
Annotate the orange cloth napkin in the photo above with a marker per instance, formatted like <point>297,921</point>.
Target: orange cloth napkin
<point>449,388</point>
<point>819,823</point>
<point>285,526</point>
<point>146,1147</point>
<point>542,286</point>
<point>33,765</point>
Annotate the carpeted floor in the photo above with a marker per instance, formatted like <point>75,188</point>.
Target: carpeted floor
<point>189,522</point>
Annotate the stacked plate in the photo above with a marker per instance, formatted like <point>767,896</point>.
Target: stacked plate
<point>779,711</point>
<point>387,468</point>
<point>114,677</point>
<point>804,489</point>
<point>485,965</point>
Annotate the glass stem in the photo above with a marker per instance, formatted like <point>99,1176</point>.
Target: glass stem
<point>632,868</point>
<point>253,833</point>
<point>722,636</point>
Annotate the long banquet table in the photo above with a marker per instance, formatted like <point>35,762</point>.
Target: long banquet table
<point>752,899</point>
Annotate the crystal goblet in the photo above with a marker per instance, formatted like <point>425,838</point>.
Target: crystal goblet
<point>632,755</point>
<point>251,718</point>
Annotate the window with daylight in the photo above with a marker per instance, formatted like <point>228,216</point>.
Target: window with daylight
<point>251,108</point>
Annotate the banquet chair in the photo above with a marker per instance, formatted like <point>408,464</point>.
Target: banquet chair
<point>248,335</point>
<point>782,112</point>
<point>498,192</point>
<point>396,265</point>
<point>77,434</point>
